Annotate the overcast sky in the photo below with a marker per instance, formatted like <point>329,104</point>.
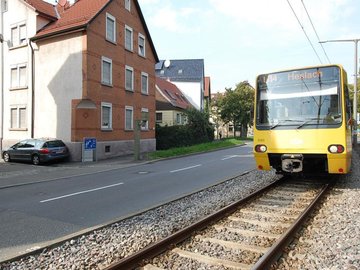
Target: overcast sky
<point>240,39</point>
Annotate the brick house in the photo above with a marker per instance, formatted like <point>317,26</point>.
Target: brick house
<point>89,73</point>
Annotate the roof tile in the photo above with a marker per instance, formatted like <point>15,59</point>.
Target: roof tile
<point>43,7</point>
<point>173,93</point>
<point>76,15</point>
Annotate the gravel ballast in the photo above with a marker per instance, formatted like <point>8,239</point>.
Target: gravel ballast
<point>331,238</point>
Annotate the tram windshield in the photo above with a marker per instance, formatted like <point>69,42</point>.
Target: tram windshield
<point>299,99</point>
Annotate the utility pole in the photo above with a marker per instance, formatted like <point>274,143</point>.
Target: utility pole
<point>355,81</point>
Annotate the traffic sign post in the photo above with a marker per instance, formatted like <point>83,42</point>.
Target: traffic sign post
<point>89,150</point>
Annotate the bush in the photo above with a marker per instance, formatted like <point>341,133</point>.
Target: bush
<point>198,130</point>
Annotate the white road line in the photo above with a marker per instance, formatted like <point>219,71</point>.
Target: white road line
<point>187,168</point>
<point>234,156</point>
<point>81,192</point>
<point>228,157</point>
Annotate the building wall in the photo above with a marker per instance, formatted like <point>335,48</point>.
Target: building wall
<point>13,55</point>
<point>193,92</point>
<point>58,80</point>
<point>87,122</point>
<point>169,118</point>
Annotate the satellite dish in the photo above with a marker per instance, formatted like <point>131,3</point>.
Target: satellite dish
<point>62,2</point>
<point>167,63</point>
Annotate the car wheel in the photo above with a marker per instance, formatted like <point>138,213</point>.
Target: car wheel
<point>35,159</point>
<point>6,157</point>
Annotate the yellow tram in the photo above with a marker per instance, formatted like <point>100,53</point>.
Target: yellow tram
<point>303,121</point>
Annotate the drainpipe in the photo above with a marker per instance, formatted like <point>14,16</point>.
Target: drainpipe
<point>32,89</point>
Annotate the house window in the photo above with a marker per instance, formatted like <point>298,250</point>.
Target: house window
<point>106,115</point>
<point>110,28</point>
<point>141,44</point>
<point>18,78</point>
<point>144,119</point>
<point>144,83</point>
<point>127,4</point>
<point>129,116</point>
<point>129,78</point>
<point>178,118</point>
<point>159,117</point>
<point>128,38</point>
<point>18,117</point>
<point>18,35</point>
<point>107,149</point>
<point>106,71</point>
<point>4,5</point>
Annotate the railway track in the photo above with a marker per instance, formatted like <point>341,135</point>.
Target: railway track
<point>248,234</point>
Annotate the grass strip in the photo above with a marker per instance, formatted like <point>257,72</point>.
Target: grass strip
<point>198,148</point>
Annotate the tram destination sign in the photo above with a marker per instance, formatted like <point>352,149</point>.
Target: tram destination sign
<point>319,74</point>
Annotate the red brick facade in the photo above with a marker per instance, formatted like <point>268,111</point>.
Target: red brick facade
<point>87,122</point>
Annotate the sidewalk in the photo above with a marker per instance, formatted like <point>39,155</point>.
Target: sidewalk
<point>18,173</point>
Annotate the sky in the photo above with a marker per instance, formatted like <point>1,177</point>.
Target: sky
<point>239,40</point>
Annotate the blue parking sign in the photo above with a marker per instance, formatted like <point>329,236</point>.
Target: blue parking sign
<point>89,143</point>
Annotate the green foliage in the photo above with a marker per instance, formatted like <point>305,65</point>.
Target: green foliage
<point>197,130</point>
<point>351,94</point>
<point>199,125</point>
<point>204,147</point>
<point>237,106</point>
<point>172,136</point>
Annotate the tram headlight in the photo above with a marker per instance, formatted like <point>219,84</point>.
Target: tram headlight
<point>336,148</point>
<point>260,148</point>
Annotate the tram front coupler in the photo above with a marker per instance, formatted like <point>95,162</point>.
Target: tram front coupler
<point>292,163</point>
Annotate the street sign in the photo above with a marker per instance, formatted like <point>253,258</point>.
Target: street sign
<point>89,143</point>
<point>89,149</point>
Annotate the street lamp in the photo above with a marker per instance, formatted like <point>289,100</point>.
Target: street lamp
<point>355,78</point>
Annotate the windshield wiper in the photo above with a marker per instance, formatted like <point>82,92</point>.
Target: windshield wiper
<point>309,120</point>
<point>282,122</point>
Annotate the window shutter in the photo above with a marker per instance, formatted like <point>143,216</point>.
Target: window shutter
<point>14,80</point>
<point>22,114</point>
<point>13,118</point>
<point>22,34</point>
<point>22,76</point>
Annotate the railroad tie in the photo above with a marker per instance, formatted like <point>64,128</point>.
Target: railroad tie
<point>211,261</point>
<point>264,224</point>
<point>247,232</point>
<point>266,214</point>
<point>151,267</point>
<point>233,245</point>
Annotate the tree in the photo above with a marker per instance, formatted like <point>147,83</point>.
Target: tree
<point>199,125</point>
<point>351,94</point>
<point>237,106</point>
<point>216,111</point>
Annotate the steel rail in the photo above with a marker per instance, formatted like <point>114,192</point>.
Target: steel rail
<point>275,251</point>
<point>154,249</point>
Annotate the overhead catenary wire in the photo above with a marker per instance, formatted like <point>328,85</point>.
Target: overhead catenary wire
<point>307,13</point>
<point>312,46</point>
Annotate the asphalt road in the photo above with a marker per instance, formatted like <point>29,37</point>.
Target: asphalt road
<point>37,214</point>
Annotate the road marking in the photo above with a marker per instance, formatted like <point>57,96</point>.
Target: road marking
<point>80,192</point>
<point>187,168</point>
<point>228,157</point>
<point>234,156</point>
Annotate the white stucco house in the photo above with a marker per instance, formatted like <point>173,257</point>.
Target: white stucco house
<point>188,75</point>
